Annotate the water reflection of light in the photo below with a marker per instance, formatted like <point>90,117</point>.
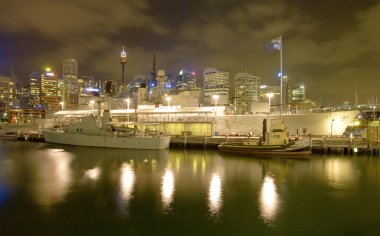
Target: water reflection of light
<point>93,173</point>
<point>340,174</point>
<point>127,180</point>
<point>53,177</point>
<point>195,166</point>
<point>167,189</point>
<point>214,195</point>
<point>269,200</point>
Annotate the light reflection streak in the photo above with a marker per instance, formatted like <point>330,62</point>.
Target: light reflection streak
<point>54,177</point>
<point>127,181</point>
<point>269,200</point>
<point>341,174</point>
<point>215,195</point>
<point>167,189</point>
<point>92,174</point>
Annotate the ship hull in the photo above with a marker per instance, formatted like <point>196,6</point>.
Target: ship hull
<point>129,142</point>
<point>266,150</point>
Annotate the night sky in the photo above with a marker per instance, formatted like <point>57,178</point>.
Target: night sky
<point>328,44</point>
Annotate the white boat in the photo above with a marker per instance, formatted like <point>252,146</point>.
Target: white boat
<point>87,132</point>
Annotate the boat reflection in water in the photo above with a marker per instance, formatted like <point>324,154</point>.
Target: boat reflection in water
<point>269,200</point>
<point>215,196</point>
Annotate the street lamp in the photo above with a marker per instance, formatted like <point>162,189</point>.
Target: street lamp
<point>216,97</point>
<point>128,100</point>
<point>168,99</point>
<point>92,104</point>
<point>269,95</point>
<point>331,129</point>
<point>62,103</point>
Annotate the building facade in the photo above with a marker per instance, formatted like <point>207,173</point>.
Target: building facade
<point>216,82</point>
<point>71,87</point>
<point>247,90</point>
<point>49,90</point>
<point>186,81</point>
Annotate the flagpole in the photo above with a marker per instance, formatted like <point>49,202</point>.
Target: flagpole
<point>281,76</point>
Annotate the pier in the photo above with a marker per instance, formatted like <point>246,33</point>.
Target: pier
<point>319,144</point>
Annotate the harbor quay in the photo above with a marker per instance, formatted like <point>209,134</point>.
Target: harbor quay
<point>319,144</point>
<point>205,128</point>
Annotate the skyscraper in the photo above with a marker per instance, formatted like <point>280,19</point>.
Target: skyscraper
<point>49,90</point>
<point>71,88</point>
<point>298,94</point>
<point>186,80</point>
<point>247,90</point>
<point>216,82</point>
<point>6,92</point>
<point>35,89</point>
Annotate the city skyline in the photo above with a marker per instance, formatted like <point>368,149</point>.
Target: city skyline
<point>328,46</point>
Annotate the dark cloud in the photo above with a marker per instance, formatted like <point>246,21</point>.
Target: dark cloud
<point>328,45</point>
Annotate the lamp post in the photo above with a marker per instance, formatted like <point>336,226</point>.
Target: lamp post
<point>92,104</point>
<point>128,100</point>
<point>215,97</point>
<point>269,95</point>
<point>331,129</point>
<point>168,99</point>
<point>61,103</point>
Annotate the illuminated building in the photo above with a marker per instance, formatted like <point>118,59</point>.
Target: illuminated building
<point>71,88</point>
<point>275,90</point>
<point>186,80</point>
<point>216,82</point>
<point>88,86</point>
<point>35,89</point>
<point>298,94</point>
<point>109,88</point>
<point>6,92</point>
<point>247,90</point>
<point>49,90</point>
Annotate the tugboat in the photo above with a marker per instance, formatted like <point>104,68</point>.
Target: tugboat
<point>274,143</point>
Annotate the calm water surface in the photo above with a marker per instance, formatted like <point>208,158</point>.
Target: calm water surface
<point>66,190</point>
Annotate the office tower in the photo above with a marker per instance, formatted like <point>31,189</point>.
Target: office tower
<point>88,86</point>
<point>215,82</point>
<point>49,90</point>
<point>186,81</point>
<point>247,90</point>
<point>6,92</point>
<point>298,94</point>
<point>35,89</point>
<point>274,90</point>
<point>71,88</point>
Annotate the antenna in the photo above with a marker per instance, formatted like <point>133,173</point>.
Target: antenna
<point>356,94</point>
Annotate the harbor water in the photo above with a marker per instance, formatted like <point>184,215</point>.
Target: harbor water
<point>50,189</point>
